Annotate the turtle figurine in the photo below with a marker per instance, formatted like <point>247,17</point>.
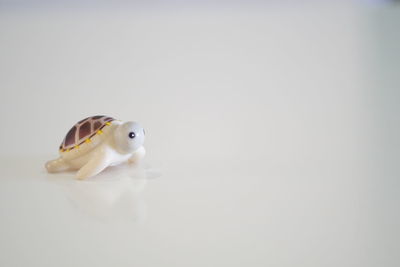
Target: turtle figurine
<point>97,142</point>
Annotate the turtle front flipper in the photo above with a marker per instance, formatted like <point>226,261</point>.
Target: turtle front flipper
<point>99,162</point>
<point>57,165</point>
<point>137,155</point>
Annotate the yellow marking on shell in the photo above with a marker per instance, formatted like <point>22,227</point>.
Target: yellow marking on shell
<point>68,150</point>
<point>107,123</point>
<point>77,146</point>
<point>99,132</point>
<point>88,140</point>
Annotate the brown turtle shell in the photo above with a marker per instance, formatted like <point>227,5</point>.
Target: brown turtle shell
<point>83,130</point>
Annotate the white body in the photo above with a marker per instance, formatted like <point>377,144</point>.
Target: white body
<point>110,148</point>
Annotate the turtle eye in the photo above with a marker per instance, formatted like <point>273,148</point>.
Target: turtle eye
<point>131,135</point>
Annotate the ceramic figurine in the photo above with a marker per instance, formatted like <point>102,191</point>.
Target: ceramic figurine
<point>97,142</point>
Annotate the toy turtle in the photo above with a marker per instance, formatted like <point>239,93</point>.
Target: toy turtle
<point>97,142</point>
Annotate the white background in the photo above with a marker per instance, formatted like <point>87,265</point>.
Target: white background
<point>274,128</point>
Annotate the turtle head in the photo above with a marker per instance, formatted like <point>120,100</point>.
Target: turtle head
<point>129,136</point>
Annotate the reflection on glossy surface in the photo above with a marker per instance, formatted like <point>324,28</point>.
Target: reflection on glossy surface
<point>114,194</point>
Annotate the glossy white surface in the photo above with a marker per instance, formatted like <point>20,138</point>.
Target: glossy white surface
<point>271,137</point>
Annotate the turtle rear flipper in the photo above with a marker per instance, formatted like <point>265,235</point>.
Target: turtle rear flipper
<point>57,165</point>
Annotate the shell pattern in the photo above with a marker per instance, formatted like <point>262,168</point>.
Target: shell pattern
<point>82,131</point>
